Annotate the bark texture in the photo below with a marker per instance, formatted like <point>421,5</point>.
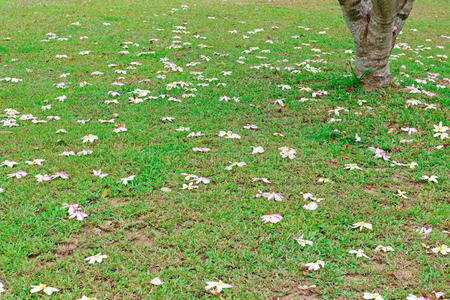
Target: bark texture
<point>375,25</point>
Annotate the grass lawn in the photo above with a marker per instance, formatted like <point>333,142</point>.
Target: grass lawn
<point>97,67</point>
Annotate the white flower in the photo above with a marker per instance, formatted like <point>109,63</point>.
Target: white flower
<point>235,164</point>
<point>219,286</point>
<point>97,258</point>
<point>358,253</point>
<point>384,248</point>
<point>362,225</point>
<point>315,265</point>
<point>441,249</point>
<point>189,186</point>
<point>156,281</point>
<point>8,163</point>
<point>440,130</point>
<point>87,298</point>
<point>168,119</point>
<point>254,179</point>
<point>431,178</point>
<point>43,287</point>
<point>42,178</point>
<point>323,180</point>
<point>307,195</point>
<point>257,150</point>
<point>310,206</point>
<point>374,296</point>
<point>250,126</point>
<point>409,130</point>
<point>229,135</point>
<point>302,242</point>
<point>402,194</point>
<point>127,179</point>
<point>1,288</point>
<point>89,138</point>
<point>352,167</point>
<point>287,152</point>
<point>412,165</point>
<point>35,162</point>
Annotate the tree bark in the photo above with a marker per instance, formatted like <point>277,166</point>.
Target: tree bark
<point>375,25</point>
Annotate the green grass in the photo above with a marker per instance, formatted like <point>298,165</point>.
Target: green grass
<point>215,233</point>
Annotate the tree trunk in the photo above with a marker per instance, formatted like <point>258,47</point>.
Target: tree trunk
<point>375,25</point>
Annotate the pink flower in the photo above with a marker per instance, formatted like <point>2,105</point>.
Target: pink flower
<point>425,231</point>
<point>120,128</point>
<point>98,173</point>
<point>273,196</point>
<point>126,179</point>
<point>75,212</point>
<point>79,215</point>
<point>438,294</point>
<point>279,102</point>
<point>203,180</point>
<point>72,207</point>
<point>272,218</point>
<point>17,174</point>
<point>379,153</point>
<point>62,175</point>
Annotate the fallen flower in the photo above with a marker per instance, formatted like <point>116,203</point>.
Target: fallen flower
<point>302,242</point>
<point>203,180</point>
<point>89,138</point>
<point>17,174</point>
<point>42,178</point>
<point>314,266</point>
<point>379,153</point>
<point>352,167</point>
<point>273,196</point>
<point>189,186</point>
<point>413,297</point>
<point>431,178</point>
<point>444,250</point>
<point>126,179</point>
<point>272,218</point>
<point>358,253</point>
<point>384,248</point>
<point>362,225</point>
<point>257,150</point>
<point>86,298</point>
<point>43,287</point>
<point>97,258</point>
<point>310,206</point>
<point>99,173</point>
<point>62,175</point>
<point>156,281</point>
<point>374,296</point>
<point>219,286</point>
<point>8,163</point>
